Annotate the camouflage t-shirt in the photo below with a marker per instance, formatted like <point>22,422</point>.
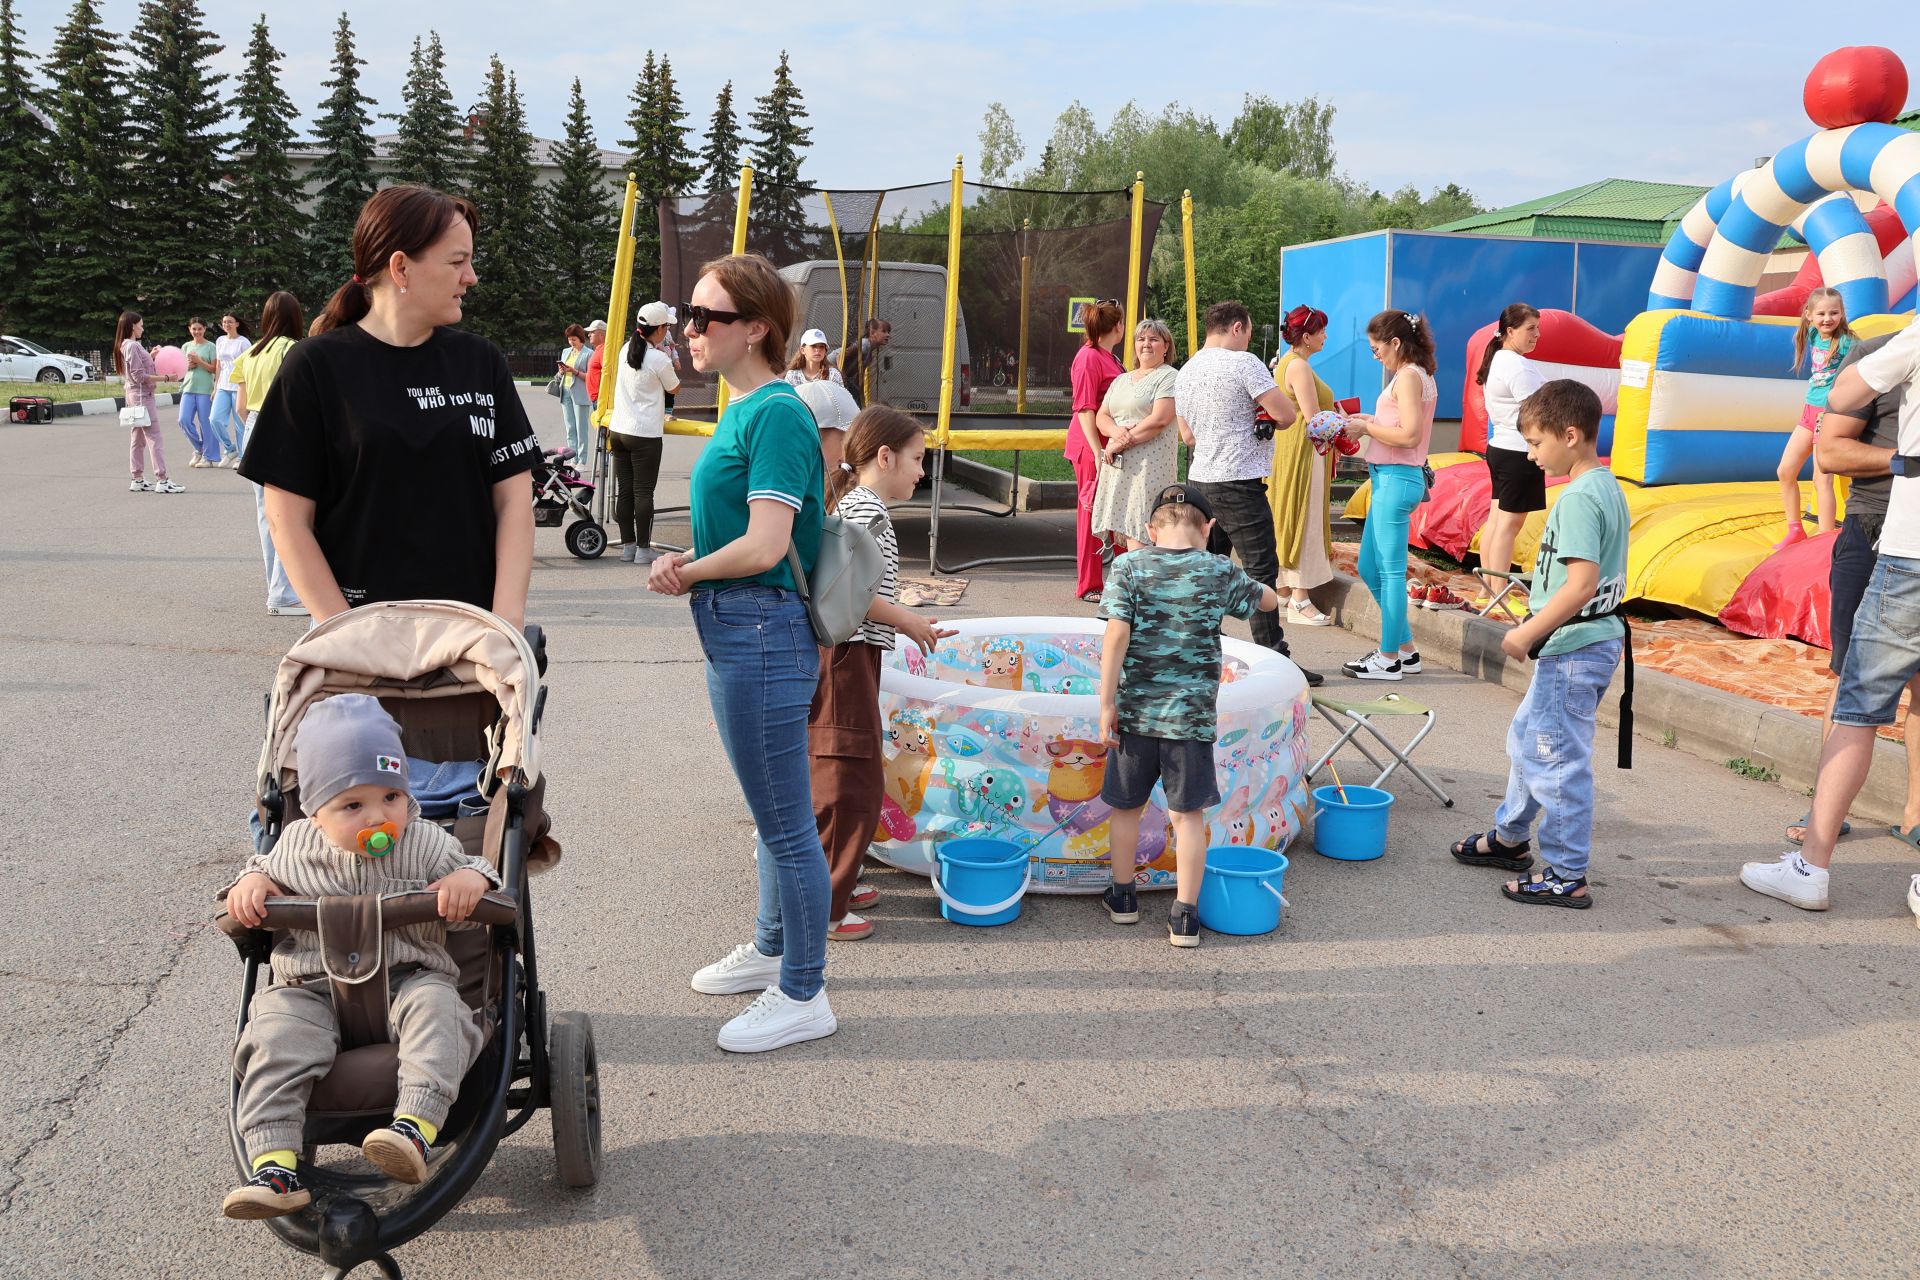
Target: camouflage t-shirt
<point>1174,600</point>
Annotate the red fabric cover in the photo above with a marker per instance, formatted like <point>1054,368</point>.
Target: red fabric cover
<point>1564,339</point>
<point>1788,299</point>
<point>1787,595</point>
<point>1854,85</point>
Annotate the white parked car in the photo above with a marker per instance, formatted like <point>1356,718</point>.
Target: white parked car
<point>23,361</point>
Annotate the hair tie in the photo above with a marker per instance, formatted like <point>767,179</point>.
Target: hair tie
<point>357,280</point>
<point>847,467</point>
<point>1413,321</point>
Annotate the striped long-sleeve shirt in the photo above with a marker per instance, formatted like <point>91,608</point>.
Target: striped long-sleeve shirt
<point>306,865</point>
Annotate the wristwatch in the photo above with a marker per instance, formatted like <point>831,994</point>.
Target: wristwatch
<point>1904,464</point>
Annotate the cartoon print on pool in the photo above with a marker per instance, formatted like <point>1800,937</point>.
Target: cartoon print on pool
<point>909,772</point>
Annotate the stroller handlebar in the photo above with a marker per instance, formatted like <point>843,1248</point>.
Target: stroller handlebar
<point>397,911</point>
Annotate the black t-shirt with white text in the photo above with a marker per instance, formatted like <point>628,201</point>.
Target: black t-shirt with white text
<point>399,448</point>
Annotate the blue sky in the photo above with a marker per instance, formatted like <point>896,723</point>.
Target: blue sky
<point>1510,101</point>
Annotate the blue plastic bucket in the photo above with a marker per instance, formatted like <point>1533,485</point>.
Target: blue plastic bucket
<point>1354,829</point>
<point>980,880</point>
<point>1241,890</point>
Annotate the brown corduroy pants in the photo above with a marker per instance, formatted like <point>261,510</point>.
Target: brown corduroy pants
<point>848,772</point>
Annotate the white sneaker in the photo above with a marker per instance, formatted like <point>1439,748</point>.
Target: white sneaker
<point>1791,880</point>
<point>1375,666</point>
<point>743,969</point>
<point>775,1020</point>
<point>1913,900</point>
<point>198,461</point>
<point>139,486</point>
<point>168,486</point>
<point>1409,662</point>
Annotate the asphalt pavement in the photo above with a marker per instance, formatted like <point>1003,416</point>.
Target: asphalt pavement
<point>1412,1078</point>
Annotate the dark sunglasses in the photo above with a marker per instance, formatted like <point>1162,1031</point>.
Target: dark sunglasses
<point>698,318</point>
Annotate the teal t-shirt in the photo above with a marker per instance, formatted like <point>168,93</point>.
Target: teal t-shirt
<point>766,446</point>
<point>1828,354</point>
<point>1588,522</point>
<point>199,382</point>
<point>1174,599</point>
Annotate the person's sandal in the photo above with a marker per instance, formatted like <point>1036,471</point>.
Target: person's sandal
<point>1804,820</point>
<point>1548,888</point>
<point>1508,857</point>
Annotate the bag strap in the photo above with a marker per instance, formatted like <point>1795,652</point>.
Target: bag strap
<point>1623,758</point>
<point>800,582</point>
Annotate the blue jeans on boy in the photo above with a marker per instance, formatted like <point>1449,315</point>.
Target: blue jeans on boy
<point>196,422</point>
<point>762,667</point>
<point>1550,747</point>
<point>1396,490</point>
<point>227,427</point>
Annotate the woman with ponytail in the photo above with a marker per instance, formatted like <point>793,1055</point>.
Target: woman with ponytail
<point>1302,478</point>
<point>393,448</point>
<point>1519,485</point>
<point>1094,369</point>
<point>1401,426</point>
<point>643,387</point>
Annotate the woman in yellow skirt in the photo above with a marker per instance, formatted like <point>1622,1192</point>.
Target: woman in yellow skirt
<point>1302,478</point>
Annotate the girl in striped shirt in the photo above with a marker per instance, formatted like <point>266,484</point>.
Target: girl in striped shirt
<point>880,463</point>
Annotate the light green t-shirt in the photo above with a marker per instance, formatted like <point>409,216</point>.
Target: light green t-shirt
<point>1589,521</point>
<point>199,382</point>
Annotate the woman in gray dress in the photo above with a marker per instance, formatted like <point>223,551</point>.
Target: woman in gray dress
<point>1142,456</point>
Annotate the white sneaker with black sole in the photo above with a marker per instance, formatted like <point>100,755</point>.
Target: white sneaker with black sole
<point>1409,663</point>
<point>776,1019</point>
<point>741,969</point>
<point>1375,666</point>
<point>1791,879</point>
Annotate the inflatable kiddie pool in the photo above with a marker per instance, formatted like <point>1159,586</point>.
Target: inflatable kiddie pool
<point>998,734</point>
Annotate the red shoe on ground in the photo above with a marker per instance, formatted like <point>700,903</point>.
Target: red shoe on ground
<point>863,896</point>
<point>1439,598</point>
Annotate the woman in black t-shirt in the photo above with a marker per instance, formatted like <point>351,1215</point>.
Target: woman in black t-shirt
<point>394,450</point>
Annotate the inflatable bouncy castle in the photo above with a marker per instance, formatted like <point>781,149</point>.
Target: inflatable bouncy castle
<point>1701,389</point>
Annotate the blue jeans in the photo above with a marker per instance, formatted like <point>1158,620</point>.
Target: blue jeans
<point>197,406</point>
<point>579,418</point>
<point>1885,650</point>
<point>1397,490</point>
<point>227,428</point>
<point>1550,747</point>
<point>762,668</point>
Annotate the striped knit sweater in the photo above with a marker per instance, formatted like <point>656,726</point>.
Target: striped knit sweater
<point>305,865</point>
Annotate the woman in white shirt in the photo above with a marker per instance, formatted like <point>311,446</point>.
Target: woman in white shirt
<point>229,429</point>
<point>1519,485</point>
<point>645,378</point>
<point>810,363</point>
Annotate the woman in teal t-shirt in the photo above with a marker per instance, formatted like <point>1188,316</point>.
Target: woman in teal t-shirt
<point>196,396</point>
<point>759,485</point>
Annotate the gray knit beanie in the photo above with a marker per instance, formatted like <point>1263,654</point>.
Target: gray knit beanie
<point>346,741</point>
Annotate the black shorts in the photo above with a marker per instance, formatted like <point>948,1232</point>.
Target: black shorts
<point>1518,482</point>
<point>1853,557</point>
<point>1183,765</point>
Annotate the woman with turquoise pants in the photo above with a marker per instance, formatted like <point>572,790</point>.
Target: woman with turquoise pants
<point>1399,430</point>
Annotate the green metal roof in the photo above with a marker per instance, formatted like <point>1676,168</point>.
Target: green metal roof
<point>1611,209</point>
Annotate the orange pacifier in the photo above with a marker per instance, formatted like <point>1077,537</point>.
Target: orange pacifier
<point>378,842</point>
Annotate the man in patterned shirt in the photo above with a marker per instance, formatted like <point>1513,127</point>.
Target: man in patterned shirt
<point>1159,683</point>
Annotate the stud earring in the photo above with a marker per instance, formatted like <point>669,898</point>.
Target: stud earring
<point>403,288</point>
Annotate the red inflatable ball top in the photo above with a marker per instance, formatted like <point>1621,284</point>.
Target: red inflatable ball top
<point>1855,85</point>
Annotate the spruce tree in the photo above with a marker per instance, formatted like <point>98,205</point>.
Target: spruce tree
<point>662,164</point>
<point>178,211</point>
<point>431,143</point>
<point>507,305</point>
<point>83,281</point>
<point>343,178</point>
<point>780,224</point>
<point>720,156</point>
<point>673,159</point>
<point>24,163</point>
<point>583,226</point>
<point>268,224</point>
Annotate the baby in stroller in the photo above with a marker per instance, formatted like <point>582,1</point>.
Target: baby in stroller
<point>361,835</point>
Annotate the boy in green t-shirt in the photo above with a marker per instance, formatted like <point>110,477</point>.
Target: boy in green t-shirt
<point>1159,686</point>
<point>1579,581</point>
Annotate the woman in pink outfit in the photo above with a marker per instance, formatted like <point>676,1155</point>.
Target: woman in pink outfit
<point>135,367</point>
<point>1094,370</point>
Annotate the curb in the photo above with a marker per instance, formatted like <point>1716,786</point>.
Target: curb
<point>107,404</point>
<point>1708,723</point>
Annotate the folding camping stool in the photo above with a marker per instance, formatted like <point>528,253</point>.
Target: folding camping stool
<point>1520,584</point>
<point>1350,716</point>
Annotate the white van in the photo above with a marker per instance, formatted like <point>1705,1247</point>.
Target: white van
<point>912,297</point>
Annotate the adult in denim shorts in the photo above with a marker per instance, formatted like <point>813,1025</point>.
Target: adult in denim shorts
<point>1883,650</point>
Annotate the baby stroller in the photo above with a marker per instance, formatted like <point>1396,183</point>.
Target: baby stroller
<point>464,685</point>
<point>558,490</point>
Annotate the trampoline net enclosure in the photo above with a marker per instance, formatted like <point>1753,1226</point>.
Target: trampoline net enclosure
<point>1026,257</point>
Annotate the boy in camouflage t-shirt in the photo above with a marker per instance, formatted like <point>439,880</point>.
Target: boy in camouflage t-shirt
<point>1159,685</point>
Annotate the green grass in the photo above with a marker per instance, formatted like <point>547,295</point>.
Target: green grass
<point>67,392</point>
<point>1047,464</point>
<point>1756,770</point>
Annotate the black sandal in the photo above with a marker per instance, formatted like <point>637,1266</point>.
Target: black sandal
<point>1508,857</point>
<point>1548,888</point>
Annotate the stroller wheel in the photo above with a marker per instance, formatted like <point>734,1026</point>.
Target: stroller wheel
<point>576,1099</point>
<point>586,539</point>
